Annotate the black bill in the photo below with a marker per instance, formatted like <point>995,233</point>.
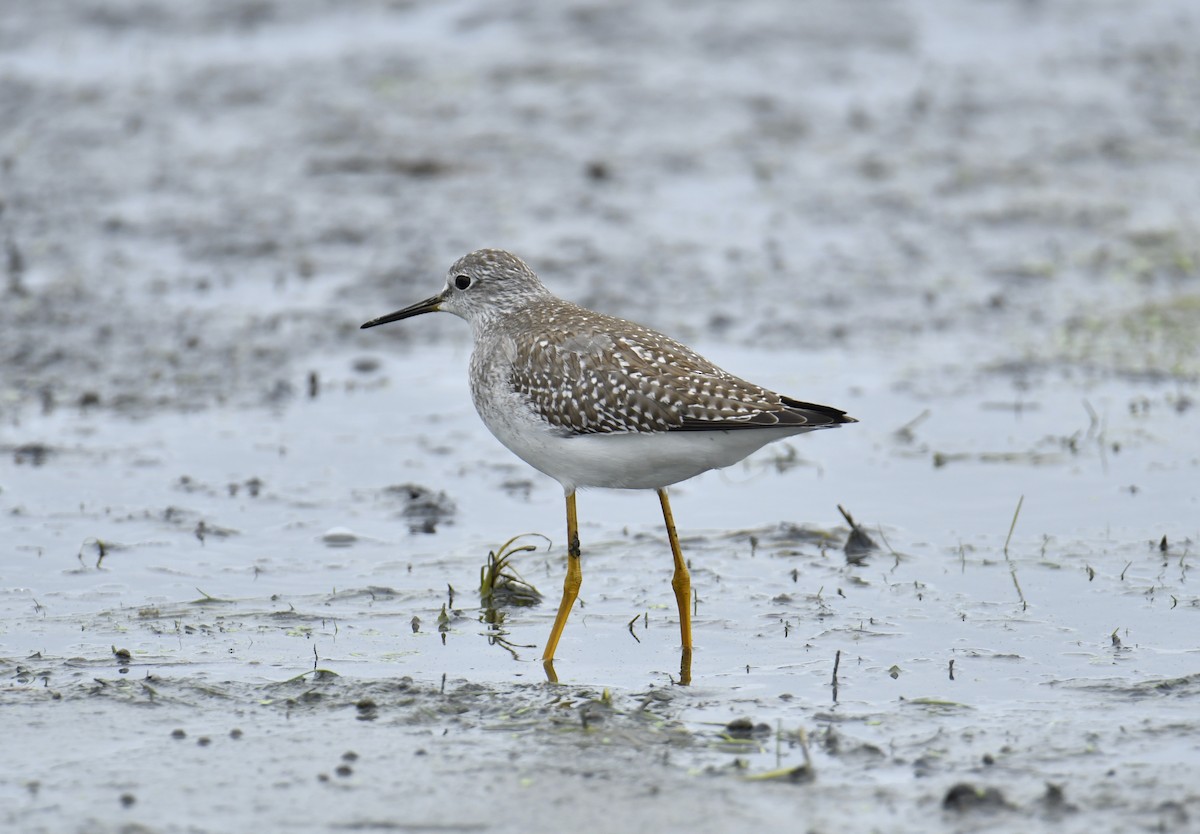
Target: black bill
<point>429,305</point>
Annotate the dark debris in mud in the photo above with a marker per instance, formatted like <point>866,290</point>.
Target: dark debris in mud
<point>1185,687</point>
<point>858,543</point>
<point>547,712</point>
<point>500,584</point>
<point>423,508</point>
<point>965,797</point>
<point>201,202</point>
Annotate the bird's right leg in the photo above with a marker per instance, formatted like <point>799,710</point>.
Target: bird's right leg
<point>570,584</point>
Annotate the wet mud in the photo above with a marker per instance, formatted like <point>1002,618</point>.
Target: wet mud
<point>261,570</point>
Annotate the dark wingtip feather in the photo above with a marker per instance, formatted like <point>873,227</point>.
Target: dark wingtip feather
<point>793,414</point>
<point>821,415</point>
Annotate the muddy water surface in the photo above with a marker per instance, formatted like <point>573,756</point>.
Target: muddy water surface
<point>242,540</point>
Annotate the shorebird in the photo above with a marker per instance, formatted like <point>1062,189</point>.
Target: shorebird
<point>596,401</point>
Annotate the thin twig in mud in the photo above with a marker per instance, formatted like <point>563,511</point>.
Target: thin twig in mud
<point>879,528</point>
<point>809,772</point>
<point>1013,526</point>
<point>837,661</point>
<point>1012,568</point>
<point>630,627</point>
<point>1127,564</point>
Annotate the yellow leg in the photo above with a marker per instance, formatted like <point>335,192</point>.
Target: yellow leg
<point>570,585</point>
<point>681,582</point>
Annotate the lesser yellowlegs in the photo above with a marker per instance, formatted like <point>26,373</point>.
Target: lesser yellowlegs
<point>597,401</point>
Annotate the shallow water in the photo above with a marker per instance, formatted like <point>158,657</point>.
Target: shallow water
<point>228,512</point>
<point>217,620</point>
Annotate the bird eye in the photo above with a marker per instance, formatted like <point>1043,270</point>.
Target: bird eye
<point>462,281</point>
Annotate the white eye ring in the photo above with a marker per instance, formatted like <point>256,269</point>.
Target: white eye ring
<point>462,281</point>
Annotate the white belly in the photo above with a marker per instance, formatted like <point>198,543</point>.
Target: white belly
<point>649,461</point>
<point>628,461</point>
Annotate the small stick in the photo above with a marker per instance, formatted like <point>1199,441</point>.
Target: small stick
<point>837,661</point>
<point>1013,526</point>
<point>1020,594</point>
<point>809,770</point>
<point>1012,568</point>
<point>886,543</point>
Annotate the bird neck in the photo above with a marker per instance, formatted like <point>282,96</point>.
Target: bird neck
<point>532,305</point>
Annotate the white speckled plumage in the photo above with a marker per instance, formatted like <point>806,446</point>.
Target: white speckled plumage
<point>597,401</point>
